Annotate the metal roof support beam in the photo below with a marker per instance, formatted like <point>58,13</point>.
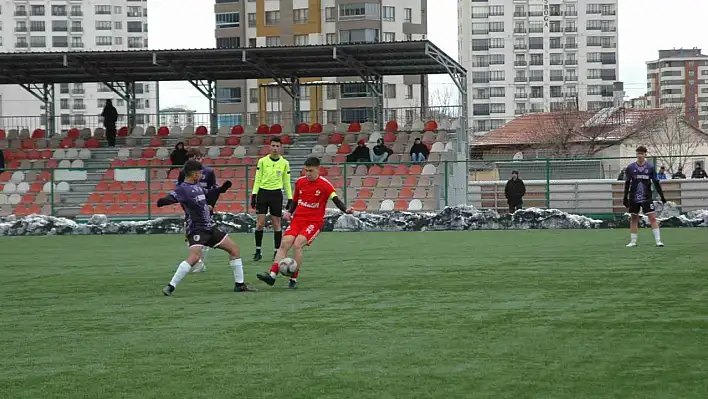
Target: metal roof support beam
<point>285,82</point>
<point>45,94</point>
<point>126,91</point>
<point>208,90</point>
<point>373,80</point>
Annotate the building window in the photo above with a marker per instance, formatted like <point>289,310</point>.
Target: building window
<point>302,40</point>
<point>60,41</point>
<point>301,16</point>
<point>102,10</point>
<point>228,95</point>
<point>407,37</point>
<point>118,41</point>
<point>252,20</point>
<point>252,42</point>
<point>136,42</point>
<point>272,18</point>
<point>359,35</point>
<point>272,41</point>
<point>408,15</point>
<point>134,12</point>
<point>104,40</point>
<point>228,20</point>
<point>390,90</point>
<point>37,26</point>
<point>37,11</point>
<point>59,11</point>
<point>358,11</point>
<point>355,90</point>
<point>332,92</point>
<point>103,25</point>
<point>330,14</point>
<point>38,41</point>
<point>409,92</point>
<point>389,37</point>
<point>77,42</point>
<point>252,96</point>
<point>135,26</point>
<point>331,38</point>
<point>228,42</point>
<point>389,13</point>
<point>360,115</point>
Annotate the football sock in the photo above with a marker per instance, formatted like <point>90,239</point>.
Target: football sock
<point>277,238</point>
<point>294,276</point>
<point>274,270</point>
<point>657,235</point>
<point>259,239</point>
<point>182,270</point>
<point>237,265</point>
<point>633,237</point>
<point>204,254</point>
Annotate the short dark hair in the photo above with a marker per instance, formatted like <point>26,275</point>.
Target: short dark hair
<point>641,149</point>
<point>194,153</point>
<point>276,140</point>
<point>192,166</point>
<point>312,161</point>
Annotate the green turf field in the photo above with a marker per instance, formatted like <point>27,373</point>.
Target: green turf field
<point>514,314</point>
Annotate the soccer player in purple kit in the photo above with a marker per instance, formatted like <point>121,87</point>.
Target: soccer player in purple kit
<point>207,180</point>
<point>201,231</point>
<point>638,178</point>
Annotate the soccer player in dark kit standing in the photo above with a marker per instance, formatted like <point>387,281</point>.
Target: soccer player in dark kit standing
<point>272,177</point>
<point>201,231</point>
<point>207,180</point>
<point>638,178</point>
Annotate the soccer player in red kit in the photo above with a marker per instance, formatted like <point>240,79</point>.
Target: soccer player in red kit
<point>308,211</point>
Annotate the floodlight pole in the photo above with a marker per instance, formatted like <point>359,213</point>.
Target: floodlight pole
<point>45,94</point>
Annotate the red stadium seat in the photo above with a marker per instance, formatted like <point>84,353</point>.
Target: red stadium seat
<point>391,126</point>
<point>236,130</point>
<point>400,205</point>
<point>336,138</point>
<point>122,132</point>
<point>163,131</point>
<point>149,153</point>
<point>354,127</point>
<point>194,142</point>
<point>233,140</point>
<point>73,133</point>
<point>302,128</point>
<point>3,134</point>
<point>262,129</point>
<point>359,205</point>
<point>430,126</point>
<point>275,129</point>
<point>389,137</point>
<point>66,143</point>
<point>201,131</point>
<point>38,134</point>
<point>344,149</point>
<point>227,151</point>
<point>27,144</point>
<point>286,140</point>
<point>91,143</point>
<point>316,128</point>
<point>155,142</point>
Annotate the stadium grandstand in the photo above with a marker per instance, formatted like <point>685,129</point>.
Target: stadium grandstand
<point>75,175</point>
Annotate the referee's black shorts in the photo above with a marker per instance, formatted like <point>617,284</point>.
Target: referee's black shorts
<point>269,201</point>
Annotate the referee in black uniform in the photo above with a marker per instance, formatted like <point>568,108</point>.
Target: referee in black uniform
<point>272,177</point>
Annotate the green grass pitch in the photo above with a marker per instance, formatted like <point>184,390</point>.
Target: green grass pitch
<point>490,314</point>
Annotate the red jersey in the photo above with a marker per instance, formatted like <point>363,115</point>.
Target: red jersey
<point>311,198</point>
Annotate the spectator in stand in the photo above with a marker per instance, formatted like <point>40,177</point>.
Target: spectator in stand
<point>360,154</point>
<point>179,155</point>
<point>679,174</point>
<point>419,152</point>
<point>662,173</point>
<point>110,117</point>
<point>514,191</point>
<point>699,172</point>
<point>2,160</point>
<point>380,153</point>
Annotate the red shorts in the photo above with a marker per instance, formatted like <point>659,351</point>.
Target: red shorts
<point>307,229</point>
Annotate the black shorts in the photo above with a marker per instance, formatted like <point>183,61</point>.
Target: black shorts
<point>646,207</point>
<point>269,201</point>
<point>209,239</point>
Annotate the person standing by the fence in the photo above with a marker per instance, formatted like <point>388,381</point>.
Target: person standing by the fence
<point>514,191</point>
<point>272,176</point>
<point>110,117</point>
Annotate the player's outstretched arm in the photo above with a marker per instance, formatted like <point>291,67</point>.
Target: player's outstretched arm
<point>166,200</point>
<point>627,184</point>
<point>342,207</point>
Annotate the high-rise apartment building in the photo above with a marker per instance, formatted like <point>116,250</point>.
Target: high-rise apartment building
<point>37,26</point>
<point>536,55</point>
<point>679,78</point>
<point>259,23</point>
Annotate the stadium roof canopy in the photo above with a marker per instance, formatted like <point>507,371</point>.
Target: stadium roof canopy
<point>285,62</point>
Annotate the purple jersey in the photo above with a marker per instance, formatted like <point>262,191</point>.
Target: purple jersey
<point>194,201</point>
<point>207,180</point>
<point>640,178</point>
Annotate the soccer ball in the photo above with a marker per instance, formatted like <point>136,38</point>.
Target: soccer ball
<point>287,266</point>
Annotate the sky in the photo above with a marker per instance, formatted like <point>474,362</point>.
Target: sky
<point>645,26</point>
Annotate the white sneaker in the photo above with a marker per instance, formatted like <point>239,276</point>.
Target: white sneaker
<point>199,267</point>
<point>631,244</point>
<point>659,244</point>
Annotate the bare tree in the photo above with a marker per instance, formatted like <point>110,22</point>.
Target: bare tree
<point>443,103</point>
<point>674,140</point>
<point>571,133</point>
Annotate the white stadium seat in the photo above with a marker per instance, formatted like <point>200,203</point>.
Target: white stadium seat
<point>77,164</point>
<point>429,170</point>
<point>64,164</point>
<point>138,131</point>
<point>213,152</point>
<point>17,177</point>
<point>14,199</point>
<point>84,154</point>
<point>3,199</point>
<point>23,188</point>
<point>162,153</point>
<point>386,205</point>
<point>240,152</point>
<point>123,153</point>
<point>175,131</point>
<point>72,154</point>
<point>59,153</point>
<point>319,149</point>
<point>418,125</point>
<point>437,147</point>
<point>63,187</point>
<point>9,188</point>
<point>415,205</point>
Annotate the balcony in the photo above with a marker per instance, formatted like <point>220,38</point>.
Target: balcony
<point>21,29</point>
<point>536,63</point>
<point>77,14</point>
<point>609,61</point>
<point>520,63</point>
<point>76,29</point>
<point>520,15</point>
<point>21,45</point>
<point>570,13</point>
<point>78,91</point>
<point>520,111</point>
<point>78,106</point>
<point>536,79</point>
<point>521,95</point>
<point>518,46</point>
<point>519,30</point>
<point>571,62</point>
<point>20,13</point>
<point>608,12</point>
<point>571,29</point>
<point>608,29</point>
<point>571,45</point>
<point>556,62</point>
<point>571,78</point>
<point>520,79</point>
<point>556,30</point>
<point>557,78</point>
